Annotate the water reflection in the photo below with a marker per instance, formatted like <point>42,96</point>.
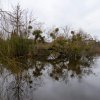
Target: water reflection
<point>21,78</point>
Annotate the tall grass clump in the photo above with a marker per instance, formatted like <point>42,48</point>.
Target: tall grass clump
<point>18,46</point>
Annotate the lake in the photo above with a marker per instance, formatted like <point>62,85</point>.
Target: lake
<point>56,80</point>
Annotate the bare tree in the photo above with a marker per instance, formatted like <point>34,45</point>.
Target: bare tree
<point>16,21</point>
<point>66,31</point>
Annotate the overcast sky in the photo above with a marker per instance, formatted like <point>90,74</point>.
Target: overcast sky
<point>84,14</point>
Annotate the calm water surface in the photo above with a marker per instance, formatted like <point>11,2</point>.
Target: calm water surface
<point>52,81</point>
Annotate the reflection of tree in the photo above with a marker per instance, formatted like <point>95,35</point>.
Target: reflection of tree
<point>20,86</point>
<point>38,67</point>
<point>27,74</point>
<point>16,88</point>
<point>22,81</point>
<point>71,69</point>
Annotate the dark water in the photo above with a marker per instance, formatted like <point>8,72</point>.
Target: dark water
<point>57,80</point>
